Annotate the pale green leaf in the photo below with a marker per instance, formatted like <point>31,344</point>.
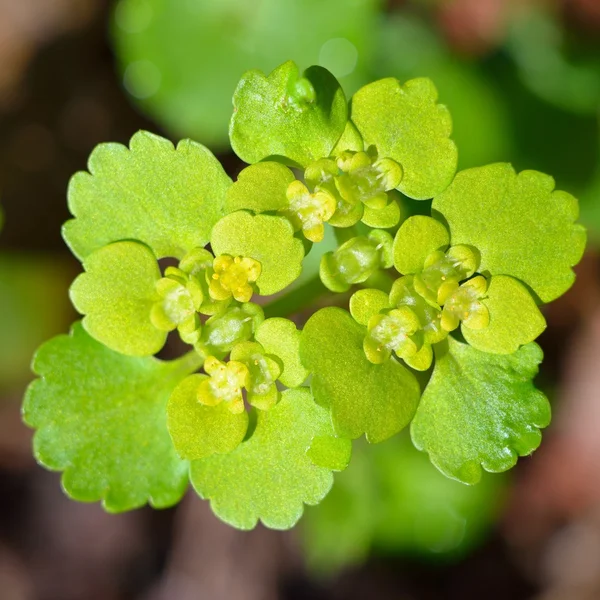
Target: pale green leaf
<point>350,140</point>
<point>197,430</point>
<point>382,218</point>
<point>366,303</point>
<point>376,400</point>
<point>416,239</point>
<point>480,410</point>
<point>167,198</point>
<point>330,452</point>
<point>100,417</point>
<point>515,318</point>
<point>116,294</point>
<point>406,123</point>
<point>286,114</point>
<point>267,239</point>
<point>269,476</point>
<point>280,337</point>
<point>260,188</point>
<point>519,223</point>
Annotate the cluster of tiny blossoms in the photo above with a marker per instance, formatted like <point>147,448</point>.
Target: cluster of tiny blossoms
<point>423,307</point>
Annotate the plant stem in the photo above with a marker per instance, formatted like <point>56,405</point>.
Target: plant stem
<point>186,364</point>
<point>296,300</point>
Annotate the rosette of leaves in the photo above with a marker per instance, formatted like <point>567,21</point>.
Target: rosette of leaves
<point>258,413</point>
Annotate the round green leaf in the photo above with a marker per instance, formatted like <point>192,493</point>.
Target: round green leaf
<point>269,476</point>
<point>480,410</point>
<point>519,224</point>
<point>116,294</point>
<point>285,114</point>
<point>382,218</point>
<point>267,239</point>
<point>366,303</point>
<point>164,197</point>
<point>377,400</point>
<point>280,337</point>
<point>514,318</point>
<point>100,417</point>
<point>416,239</point>
<point>197,430</point>
<point>260,188</point>
<point>406,123</point>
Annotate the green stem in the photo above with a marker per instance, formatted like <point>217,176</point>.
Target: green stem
<point>300,298</point>
<point>186,364</point>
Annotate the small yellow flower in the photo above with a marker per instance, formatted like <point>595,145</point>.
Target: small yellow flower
<point>232,277</point>
<point>465,306</point>
<point>224,384</point>
<point>308,211</point>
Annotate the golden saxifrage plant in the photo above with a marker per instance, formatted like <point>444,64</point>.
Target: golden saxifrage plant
<point>258,414</point>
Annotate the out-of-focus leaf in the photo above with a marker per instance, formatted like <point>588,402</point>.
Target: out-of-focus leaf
<point>181,60</point>
<point>33,308</point>
<point>391,500</point>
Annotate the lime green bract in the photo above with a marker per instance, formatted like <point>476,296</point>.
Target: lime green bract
<point>266,407</point>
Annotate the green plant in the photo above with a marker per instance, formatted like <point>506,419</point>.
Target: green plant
<point>458,290</point>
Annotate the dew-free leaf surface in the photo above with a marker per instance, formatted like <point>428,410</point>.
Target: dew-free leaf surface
<point>515,318</point>
<point>270,476</point>
<point>260,188</point>
<point>198,430</point>
<point>168,198</point>
<point>116,294</point>
<point>406,123</point>
<point>268,239</point>
<point>280,337</point>
<point>286,114</point>
<point>416,239</point>
<point>376,400</point>
<point>519,223</point>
